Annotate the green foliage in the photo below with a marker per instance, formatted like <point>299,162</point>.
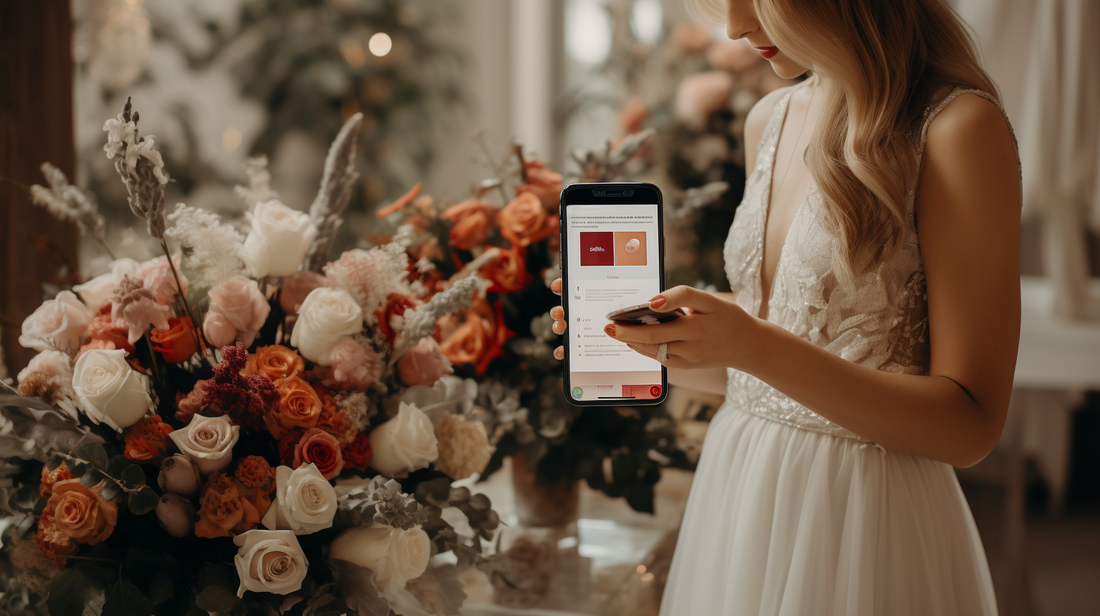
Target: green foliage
<point>126,600</point>
<point>71,592</point>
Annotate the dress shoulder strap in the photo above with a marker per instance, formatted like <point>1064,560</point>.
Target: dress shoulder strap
<point>935,108</point>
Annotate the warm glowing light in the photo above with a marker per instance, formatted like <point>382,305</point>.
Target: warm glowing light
<point>640,569</point>
<point>646,20</point>
<point>353,54</point>
<point>648,577</point>
<point>231,139</point>
<point>380,44</point>
<point>587,31</point>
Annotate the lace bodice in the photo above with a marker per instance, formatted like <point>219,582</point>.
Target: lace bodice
<point>882,323</point>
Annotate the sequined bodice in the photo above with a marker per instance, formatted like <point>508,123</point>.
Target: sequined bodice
<point>881,323</point>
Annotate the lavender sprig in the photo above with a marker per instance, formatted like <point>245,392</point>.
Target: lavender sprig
<point>339,178</point>
<point>140,166</point>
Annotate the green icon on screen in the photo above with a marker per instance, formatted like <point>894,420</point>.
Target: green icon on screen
<point>577,392</point>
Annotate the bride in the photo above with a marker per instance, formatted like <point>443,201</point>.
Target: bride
<point>869,341</point>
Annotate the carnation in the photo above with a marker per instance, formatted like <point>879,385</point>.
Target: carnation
<point>371,275</point>
<point>463,446</point>
<point>353,365</point>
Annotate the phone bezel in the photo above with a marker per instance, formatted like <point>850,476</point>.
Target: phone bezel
<point>582,194</point>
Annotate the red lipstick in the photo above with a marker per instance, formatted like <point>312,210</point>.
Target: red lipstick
<point>768,52</point>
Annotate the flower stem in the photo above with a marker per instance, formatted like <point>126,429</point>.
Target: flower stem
<point>183,299</point>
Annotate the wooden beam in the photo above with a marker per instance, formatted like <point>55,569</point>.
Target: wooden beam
<point>36,126</point>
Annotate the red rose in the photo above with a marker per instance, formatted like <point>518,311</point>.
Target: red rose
<point>357,454</point>
<point>320,448</point>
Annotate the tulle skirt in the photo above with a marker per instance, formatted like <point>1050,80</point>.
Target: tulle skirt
<point>785,521</point>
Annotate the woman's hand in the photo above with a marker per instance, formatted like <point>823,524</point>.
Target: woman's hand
<point>715,333</point>
<point>558,314</point>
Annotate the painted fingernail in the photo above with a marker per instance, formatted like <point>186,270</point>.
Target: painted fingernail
<point>610,330</point>
<point>630,345</point>
<point>657,301</point>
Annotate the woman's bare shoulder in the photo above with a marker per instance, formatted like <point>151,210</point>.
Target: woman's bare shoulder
<point>757,121</point>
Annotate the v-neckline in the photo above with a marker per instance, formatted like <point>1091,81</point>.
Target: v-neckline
<point>760,299</point>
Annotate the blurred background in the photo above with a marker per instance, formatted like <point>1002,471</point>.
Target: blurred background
<point>440,82</point>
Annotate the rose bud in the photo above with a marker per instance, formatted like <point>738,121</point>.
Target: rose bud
<point>176,515</point>
<point>179,475</point>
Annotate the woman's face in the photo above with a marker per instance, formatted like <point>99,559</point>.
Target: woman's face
<point>741,23</point>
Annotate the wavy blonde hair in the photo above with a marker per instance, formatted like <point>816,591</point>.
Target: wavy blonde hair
<point>881,63</point>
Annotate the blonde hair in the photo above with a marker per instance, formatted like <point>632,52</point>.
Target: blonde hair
<point>881,63</point>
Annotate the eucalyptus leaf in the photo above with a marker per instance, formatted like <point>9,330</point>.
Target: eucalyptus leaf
<point>111,490</point>
<point>133,476</point>
<point>91,478</point>
<point>216,598</point>
<point>143,501</point>
<point>357,584</point>
<point>161,587</point>
<point>126,599</point>
<point>117,464</point>
<point>70,592</point>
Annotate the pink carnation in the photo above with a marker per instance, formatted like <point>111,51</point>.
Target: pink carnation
<point>137,308</point>
<point>237,312</point>
<point>424,364</point>
<point>353,366</point>
<point>192,403</point>
<point>157,278</point>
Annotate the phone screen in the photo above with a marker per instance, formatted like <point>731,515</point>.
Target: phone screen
<point>613,262</point>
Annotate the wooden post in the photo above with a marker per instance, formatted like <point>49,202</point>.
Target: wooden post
<point>36,126</point>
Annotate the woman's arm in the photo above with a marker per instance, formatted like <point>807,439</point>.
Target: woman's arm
<point>968,208</point>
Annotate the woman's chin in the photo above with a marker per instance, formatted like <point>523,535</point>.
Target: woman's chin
<point>785,68</point>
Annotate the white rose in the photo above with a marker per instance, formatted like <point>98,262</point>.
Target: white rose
<point>56,324</point>
<point>99,291</point>
<point>270,561</point>
<point>403,444</point>
<point>305,502</point>
<point>393,555</point>
<point>279,239</point>
<point>208,442</point>
<point>325,316</point>
<point>110,390</point>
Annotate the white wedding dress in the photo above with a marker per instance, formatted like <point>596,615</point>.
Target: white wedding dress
<point>791,514</point>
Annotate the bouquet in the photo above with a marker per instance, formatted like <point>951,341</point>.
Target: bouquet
<point>507,232</point>
<point>240,427</point>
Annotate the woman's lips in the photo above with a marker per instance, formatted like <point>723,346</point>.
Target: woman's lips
<point>768,52</point>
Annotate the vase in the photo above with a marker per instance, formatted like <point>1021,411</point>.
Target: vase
<point>553,506</point>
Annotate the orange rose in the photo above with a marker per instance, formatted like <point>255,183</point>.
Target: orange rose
<point>177,343</point>
<point>508,272</point>
<point>525,221</point>
<point>276,362</point>
<point>299,407</point>
<point>80,513</point>
<point>49,478</point>
<point>543,183</point>
<point>147,439</point>
<point>480,339</point>
<point>473,219</point>
<point>222,509</point>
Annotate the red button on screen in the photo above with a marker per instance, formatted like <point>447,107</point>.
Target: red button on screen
<point>655,391</point>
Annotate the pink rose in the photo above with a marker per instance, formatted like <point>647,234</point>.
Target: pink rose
<point>158,279</point>
<point>424,364</point>
<point>237,312</point>
<point>322,449</point>
<point>691,38</point>
<point>702,94</point>
<point>352,366</point>
<point>99,291</point>
<point>297,287</point>
<point>734,56</point>
<point>137,308</point>
<point>57,323</point>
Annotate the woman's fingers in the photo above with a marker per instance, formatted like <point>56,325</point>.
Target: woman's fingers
<point>559,327</point>
<point>559,353</point>
<point>650,334</point>
<point>556,286</point>
<point>557,313</point>
<point>685,297</point>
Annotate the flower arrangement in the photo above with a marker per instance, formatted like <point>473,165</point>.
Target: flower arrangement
<point>507,231</point>
<point>238,427</point>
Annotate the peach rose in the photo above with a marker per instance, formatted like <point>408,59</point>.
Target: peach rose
<point>543,183</point>
<point>299,407</point>
<point>473,219</point>
<point>156,276</point>
<point>508,272</point>
<point>237,312</point>
<point>276,362</point>
<point>56,324</point>
<point>424,364</point>
<point>177,343</point>
<point>222,509</point>
<point>297,287</point>
<point>525,221</point>
<point>82,514</point>
<point>691,38</point>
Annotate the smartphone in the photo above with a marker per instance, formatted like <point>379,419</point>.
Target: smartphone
<point>642,314</point>
<point>612,249</point>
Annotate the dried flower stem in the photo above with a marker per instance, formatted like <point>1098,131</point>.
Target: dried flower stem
<point>182,297</point>
<point>497,171</point>
<point>326,212</point>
